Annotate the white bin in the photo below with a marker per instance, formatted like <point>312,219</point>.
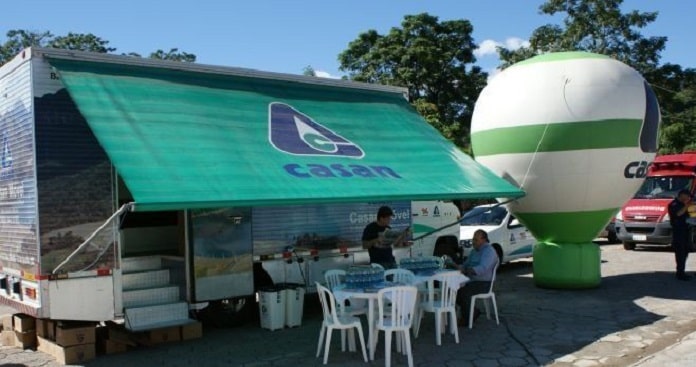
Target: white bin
<point>272,308</point>
<point>294,304</point>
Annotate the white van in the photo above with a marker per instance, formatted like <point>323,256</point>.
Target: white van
<point>510,238</point>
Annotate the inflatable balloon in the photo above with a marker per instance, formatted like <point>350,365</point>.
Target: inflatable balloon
<point>576,131</point>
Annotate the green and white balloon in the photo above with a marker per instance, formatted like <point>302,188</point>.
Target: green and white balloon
<point>575,130</point>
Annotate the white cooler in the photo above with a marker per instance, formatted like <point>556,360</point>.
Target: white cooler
<point>272,305</point>
<point>294,304</point>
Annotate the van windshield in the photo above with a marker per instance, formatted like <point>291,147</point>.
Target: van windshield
<point>484,216</point>
<point>665,187</point>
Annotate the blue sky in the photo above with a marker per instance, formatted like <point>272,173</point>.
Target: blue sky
<point>287,35</point>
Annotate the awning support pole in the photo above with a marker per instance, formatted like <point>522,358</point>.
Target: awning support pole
<point>124,208</point>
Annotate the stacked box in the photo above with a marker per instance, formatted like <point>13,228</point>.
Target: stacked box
<point>7,322</point>
<point>23,323</point>
<point>192,330</point>
<point>7,338</point>
<point>163,335</point>
<point>112,339</point>
<point>67,355</point>
<point>68,343</point>
<point>24,330</point>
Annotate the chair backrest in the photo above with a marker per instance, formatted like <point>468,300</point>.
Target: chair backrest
<point>328,304</point>
<point>403,305</point>
<point>398,275</point>
<point>449,285</point>
<point>334,277</point>
<point>495,271</point>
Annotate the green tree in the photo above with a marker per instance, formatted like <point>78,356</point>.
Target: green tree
<point>433,59</point>
<point>309,71</point>
<point>173,55</point>
<point>597,26</point>
<point>677,98</point>
<point>17,40</point>
<point>81,42</point>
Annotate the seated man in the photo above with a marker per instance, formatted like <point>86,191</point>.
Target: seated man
<point>479,268</point>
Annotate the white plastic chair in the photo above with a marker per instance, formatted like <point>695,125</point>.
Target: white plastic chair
<point>398,275</point>
<point>333,320</point>
<point>487,298</point>
<point>336,277</point>
<point>396,319</point>
<point>441,302</point>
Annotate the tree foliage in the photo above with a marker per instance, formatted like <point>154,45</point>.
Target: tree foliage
<point>81,42</point>
<point>600,26</point>
<point>173,55</point>
<point>597,26</point>
<point>433,59</point>
<point>309,71</point>
<point>18,39</point>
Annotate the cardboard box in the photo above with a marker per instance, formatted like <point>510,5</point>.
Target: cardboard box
<point>192,330</point>
<point>164,335</point>
<point>50,329</point>
<point>7,338</point>
<point>67,336</point>
<point>24,340</point>
<point>121,335</point>
<point>24,323</point>
<point>42,327</point>
<point>67,355</point>
<point>107,346</point>
<point>7,322</point>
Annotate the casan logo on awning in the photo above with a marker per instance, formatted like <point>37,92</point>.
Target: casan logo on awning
<point>290,131</point>
<point>295,133</point>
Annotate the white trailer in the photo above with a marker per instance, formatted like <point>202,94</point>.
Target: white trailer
<point>135,189</point>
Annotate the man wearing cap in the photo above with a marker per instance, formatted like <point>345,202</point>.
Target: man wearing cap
<point>678,214</point>
<point>373,239</point>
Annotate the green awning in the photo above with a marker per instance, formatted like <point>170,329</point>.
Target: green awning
<point>197,138</point>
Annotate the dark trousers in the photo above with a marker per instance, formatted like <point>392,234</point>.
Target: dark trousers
<point>680,244</point>
<point>470,289</point>
<point>681,252</point>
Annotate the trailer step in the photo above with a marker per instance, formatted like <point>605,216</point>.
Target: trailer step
<point>142,263</point>
<point>156,316</point>
<point>146,279</point>
<point>150,296</point>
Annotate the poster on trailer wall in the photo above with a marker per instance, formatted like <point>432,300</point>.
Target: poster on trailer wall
<point>323,227</point>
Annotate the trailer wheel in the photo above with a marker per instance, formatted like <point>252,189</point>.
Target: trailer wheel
<point>629,246</point>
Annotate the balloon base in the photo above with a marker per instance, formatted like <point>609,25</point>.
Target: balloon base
<point>567,265</point>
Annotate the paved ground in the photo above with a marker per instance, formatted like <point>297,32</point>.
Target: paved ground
<point>639,316</point>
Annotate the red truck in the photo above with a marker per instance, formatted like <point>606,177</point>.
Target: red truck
<point>644,218</point>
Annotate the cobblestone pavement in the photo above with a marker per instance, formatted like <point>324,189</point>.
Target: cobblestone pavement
<point>639,309</point>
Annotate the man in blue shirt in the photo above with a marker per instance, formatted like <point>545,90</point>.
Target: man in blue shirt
<point>479,267</point>
<point>678,214</point>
